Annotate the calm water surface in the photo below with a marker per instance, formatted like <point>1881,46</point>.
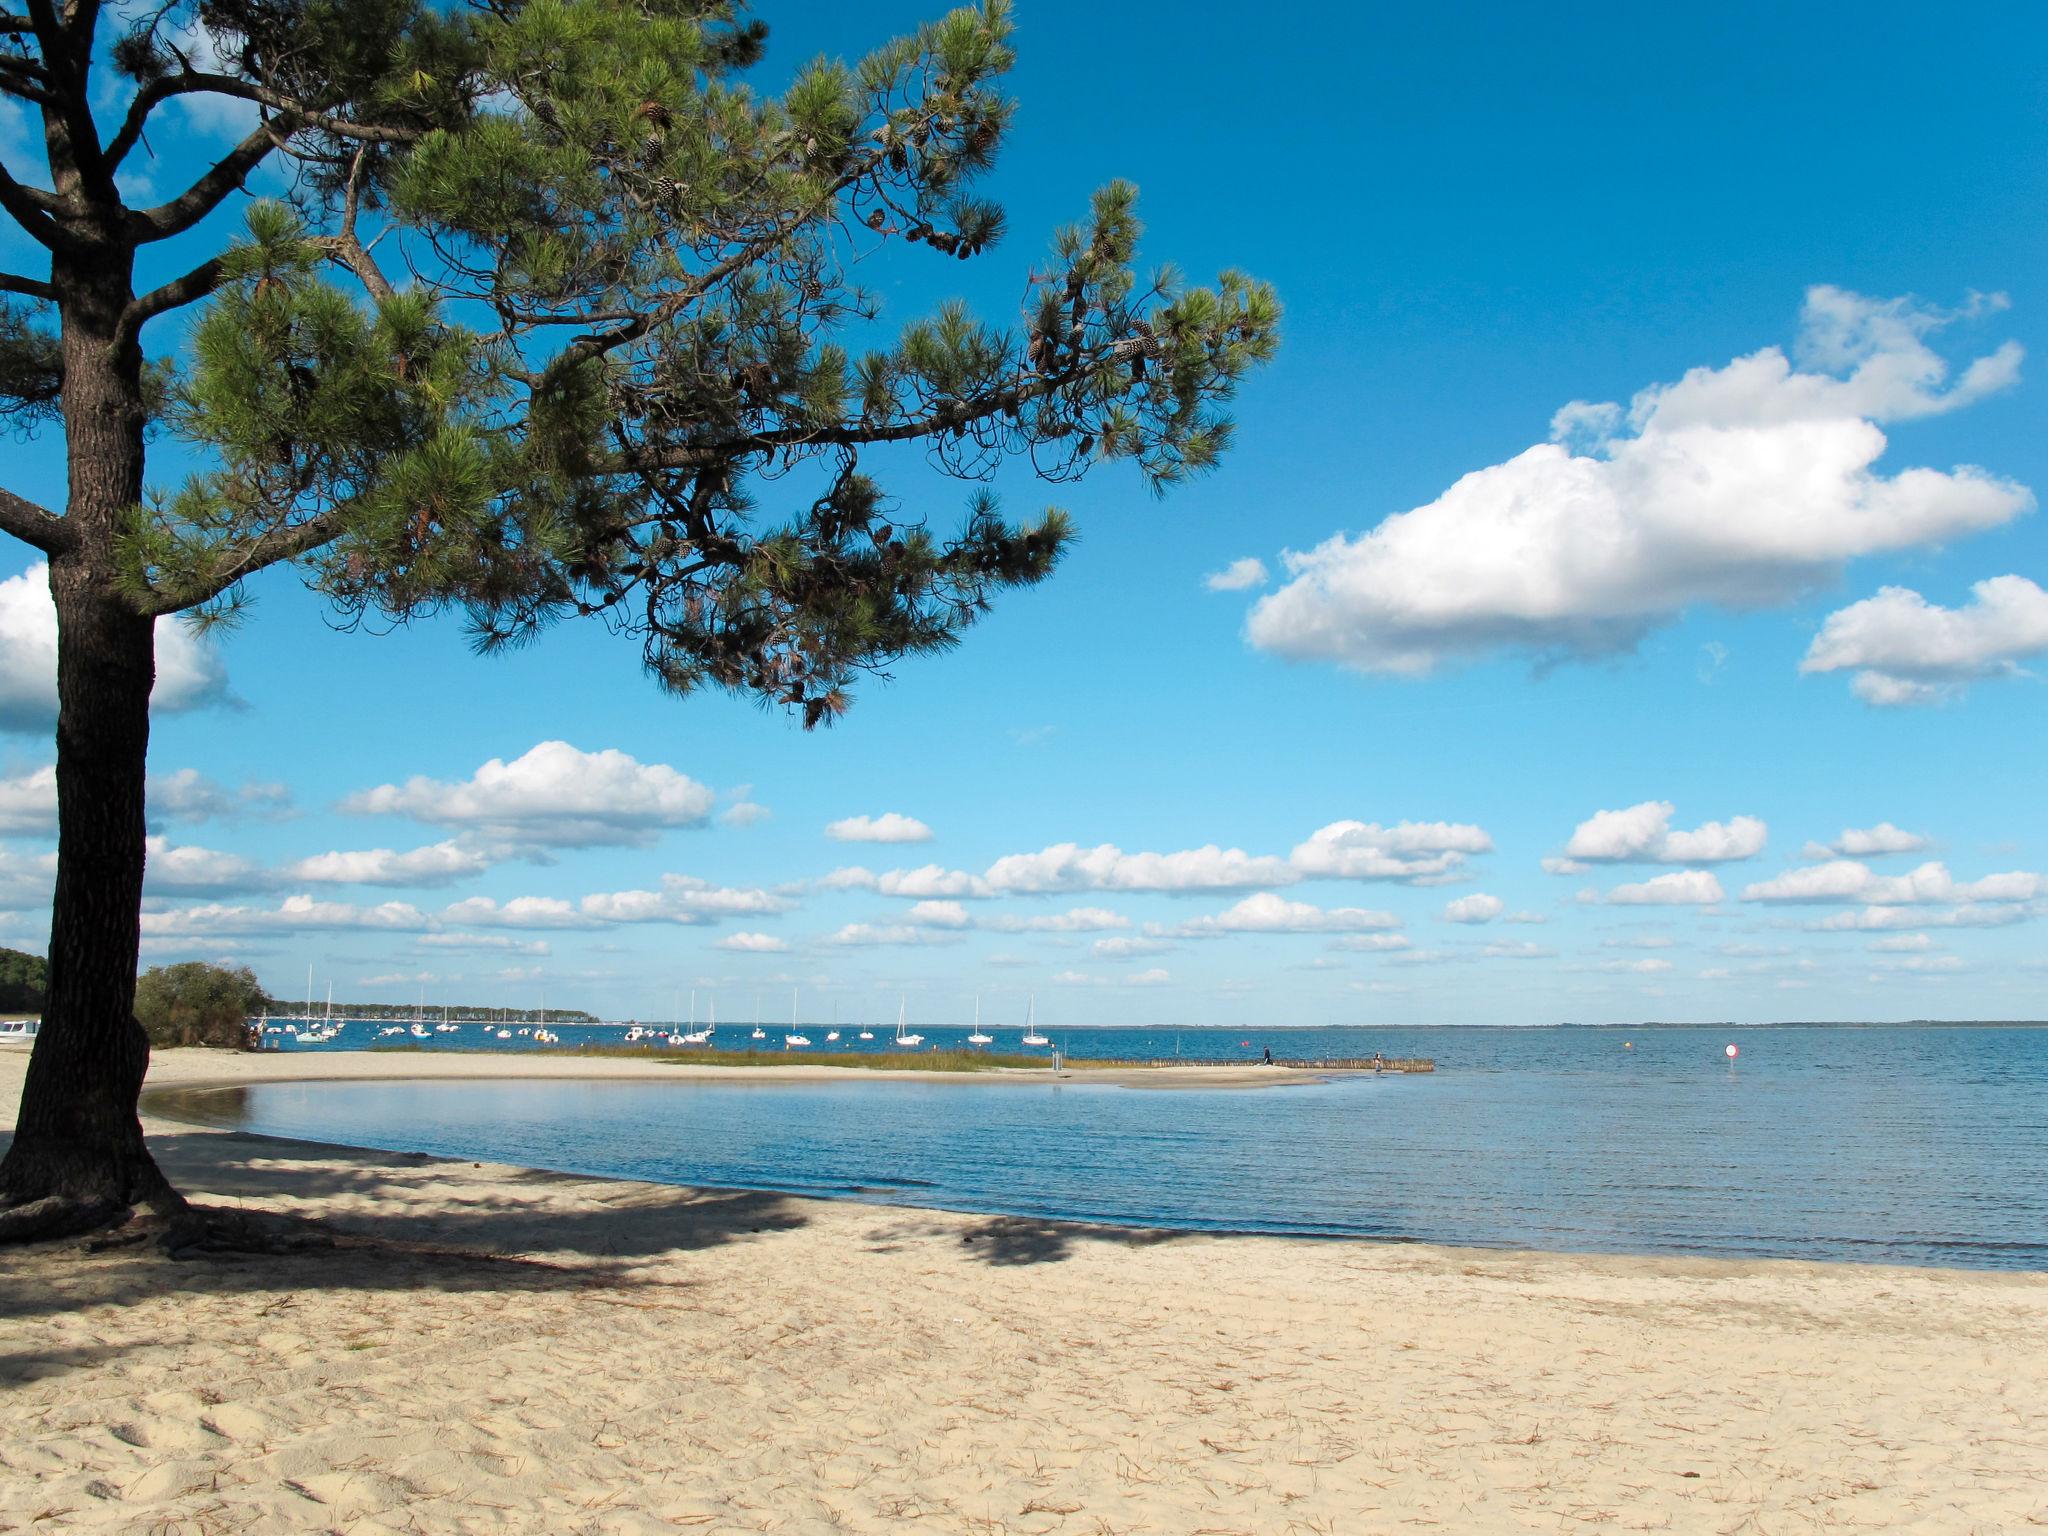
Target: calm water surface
<point>1900,1145</point>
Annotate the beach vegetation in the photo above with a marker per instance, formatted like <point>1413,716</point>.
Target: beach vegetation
<point>194,1003</point>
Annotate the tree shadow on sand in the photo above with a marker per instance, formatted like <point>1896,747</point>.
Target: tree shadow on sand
<point>1007,1241</point>
<point>374,1221</point>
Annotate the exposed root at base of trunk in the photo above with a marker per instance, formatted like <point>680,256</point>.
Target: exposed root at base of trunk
<point>59,1216</point>
<point>179,1230</point>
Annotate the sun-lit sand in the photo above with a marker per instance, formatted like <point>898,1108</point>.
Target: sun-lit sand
<point>494,1349</point>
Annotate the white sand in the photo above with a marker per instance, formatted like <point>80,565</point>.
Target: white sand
<point>597,1356</point>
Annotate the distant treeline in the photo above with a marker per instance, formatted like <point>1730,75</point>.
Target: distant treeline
<point>22,980</point>
<point>432,1011</point>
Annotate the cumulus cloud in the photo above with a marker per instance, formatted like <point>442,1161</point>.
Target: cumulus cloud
<point>1422,853</point>
<point>1238,576</point>
<point>1650,967</point>
<point>1868,842</point>
<point>1906,650</point>
<point>295,914</point>
<point>436,864</point>
<point>1680,888</point>
<point>189,671</point>
<point>1371,943</point>
<point>939,914</point>
<point>744,813</point>
<point>555,795</point>
<point>681,899</point>
<point>1477,908</point>
<point>188,795</point>
<point>889,827</point>
<point>1152,978</point>
<point>1742,486</point>
<point>1070,867</point>
<point>25,880</point>
<point>496,943</point>
<point>926,882</point>
<point>1074,920</point>
<point>194,871</point>
<point>1848,880</point>
<point>1642,834</point>
<point>753,943</point>
<point>28,803</point>
<point>1268,913</point>
<point>876,935</point>
<point>1517,950</point>
<point>1883,919</point>
<point>1129,948</point>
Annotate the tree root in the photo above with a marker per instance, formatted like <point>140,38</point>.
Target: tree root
<point>58,1216</point>
<point>180,1232</point>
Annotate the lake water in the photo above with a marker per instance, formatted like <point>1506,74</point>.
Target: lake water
<point>1899,1145</point>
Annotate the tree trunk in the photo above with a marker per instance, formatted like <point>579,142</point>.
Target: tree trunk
<point>78,1157</point>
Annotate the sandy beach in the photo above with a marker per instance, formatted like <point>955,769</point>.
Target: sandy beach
<point>494,1349</point>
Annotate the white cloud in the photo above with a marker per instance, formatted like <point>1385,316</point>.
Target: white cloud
<point>1476,908</point>
<point>1128,948</point>
<point>296,914</point>
<point>1238,576</point>
<point>1267,913</point>
<point>1868,842</point>
<point>1420,852</point>
<point>1151,978</point>
<point>436,864</point>
<point>1070,867</point>
<point>926,882</point>
<point>939,914</point>
<point>189,672</point>
<point>1902,943</point>
<point>744,813</point>
<point>1074,920</point>
<point>1643,834</point>
<point>1650,967</point>
<point>1742,486</point>
<point>494,942</point>
<point>188,795</point>
<point>1682,887</point>
<point>753,943</point>
<point>1517,950</point>
<point>1910,651</point>
<point>889,827</point>
<point>555,795</point>
<point>1881,919</point>
<point>874,935</point>
<point>519,912</point>
<point>28,804</point>
<point>26,880</point>
<point>1371,943</point>
<point>1847,880</point>
<point>200,871</point>
<point>1556,866</point>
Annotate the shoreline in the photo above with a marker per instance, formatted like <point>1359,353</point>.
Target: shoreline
<point>495,1349</point>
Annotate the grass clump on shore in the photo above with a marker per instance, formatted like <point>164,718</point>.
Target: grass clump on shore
<point>879,1061</point>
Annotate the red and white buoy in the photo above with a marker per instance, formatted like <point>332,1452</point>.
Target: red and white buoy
<point>1733,1052</point>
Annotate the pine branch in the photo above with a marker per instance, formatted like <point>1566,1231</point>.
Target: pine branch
<point>245,557</point>
<point>210,190</point>
<point>33,524</point>
<point>27,287</point>
<point>189,289</point>
<point>293,114</point>
<point>31,207</point>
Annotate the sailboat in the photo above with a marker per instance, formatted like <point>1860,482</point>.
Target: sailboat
<point>901,1038</point>
<point>1031,1034</point>
<point>697,1036</point>
<point>758,1032</point>
<point>978,1038</point>
<point>795,1036</point>
<point>867,1034</point>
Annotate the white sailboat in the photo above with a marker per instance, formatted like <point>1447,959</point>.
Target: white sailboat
<point>902,1039</point>
<point>697,1036</point>
<point>1031,1034</point>
<point>795,1035</point>
<point>978,1038</point>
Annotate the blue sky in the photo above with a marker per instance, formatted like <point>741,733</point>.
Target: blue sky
<point>1476,216</point>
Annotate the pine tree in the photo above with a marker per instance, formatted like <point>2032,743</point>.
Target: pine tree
<point>557,317</point>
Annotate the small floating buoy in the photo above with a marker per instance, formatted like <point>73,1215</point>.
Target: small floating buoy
<point>1733,1053</point>
<point>1628,1045</point>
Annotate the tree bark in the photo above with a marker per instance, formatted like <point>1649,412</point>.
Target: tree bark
<point>78,1157</point>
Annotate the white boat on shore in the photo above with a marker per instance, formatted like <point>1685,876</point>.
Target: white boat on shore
<point>19,1031</point>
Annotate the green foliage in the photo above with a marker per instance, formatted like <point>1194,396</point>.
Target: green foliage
<point>23,980</point>
<point>631,374</point>
<point>31,371</point>
<point>198,1004</point>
